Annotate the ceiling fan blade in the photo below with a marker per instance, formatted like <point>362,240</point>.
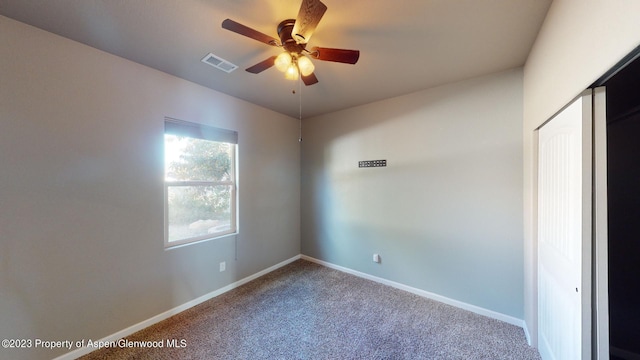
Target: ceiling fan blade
<point>309,79</point>
<point>262,65</point>
<point>248,32</point>
<point>309,16</point>
<point>336,55</point>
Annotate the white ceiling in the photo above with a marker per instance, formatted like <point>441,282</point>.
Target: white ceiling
<point>405,45</point>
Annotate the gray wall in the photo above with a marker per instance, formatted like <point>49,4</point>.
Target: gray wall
<point>81,191</point>
<point>446,213</point>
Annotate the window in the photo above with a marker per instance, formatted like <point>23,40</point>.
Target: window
<point>200,182</point>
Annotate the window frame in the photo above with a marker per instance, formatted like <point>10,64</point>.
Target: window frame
<point>208,133</point>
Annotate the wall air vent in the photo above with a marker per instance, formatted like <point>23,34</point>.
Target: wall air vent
<point>219,63</point>
<point>372,163</point>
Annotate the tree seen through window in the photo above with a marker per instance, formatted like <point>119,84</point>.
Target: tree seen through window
<point>200,185</point>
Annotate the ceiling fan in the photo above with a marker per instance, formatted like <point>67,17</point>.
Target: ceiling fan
<point>294,35</point>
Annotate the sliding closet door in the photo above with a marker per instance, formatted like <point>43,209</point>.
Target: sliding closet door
<point>564,233</point>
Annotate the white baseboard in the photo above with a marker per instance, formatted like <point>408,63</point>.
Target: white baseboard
<point>459,304</point>
<point>146,323</point>
<point>526,333</point>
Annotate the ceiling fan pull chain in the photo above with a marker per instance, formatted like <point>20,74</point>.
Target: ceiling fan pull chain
<point>300,112</point>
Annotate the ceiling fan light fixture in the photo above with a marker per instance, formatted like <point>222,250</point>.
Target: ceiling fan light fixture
<point>292,72</point>
<point>283,61</point>
<point>305,65</point>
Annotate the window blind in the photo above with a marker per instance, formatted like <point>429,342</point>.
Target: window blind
<point>199,131</point>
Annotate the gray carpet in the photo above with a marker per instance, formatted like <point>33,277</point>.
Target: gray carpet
<point>307,311</point>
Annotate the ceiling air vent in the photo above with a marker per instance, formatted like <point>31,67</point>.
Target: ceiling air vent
<point>219,63</point>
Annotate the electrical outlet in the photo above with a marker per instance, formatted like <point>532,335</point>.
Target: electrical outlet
<point>223,266</point>
<point>376,258</point>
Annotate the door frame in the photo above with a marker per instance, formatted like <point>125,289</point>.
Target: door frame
<point>600,228</point>
<point>599,323</point>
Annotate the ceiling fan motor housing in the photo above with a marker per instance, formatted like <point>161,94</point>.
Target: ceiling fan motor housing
<point>288,43</point>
